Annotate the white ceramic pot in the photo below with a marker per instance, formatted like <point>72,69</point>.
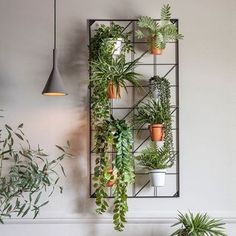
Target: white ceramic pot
<point>117,47</point>
<point>157,177</point>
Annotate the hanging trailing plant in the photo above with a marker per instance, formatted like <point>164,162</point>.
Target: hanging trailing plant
<point>26,175</point>
<point>161,86</point>
<point>158,33</point>
<point>117,135</point>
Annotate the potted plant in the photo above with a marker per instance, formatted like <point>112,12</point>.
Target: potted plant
<point>104,44</point>
<point>158,33</point>
<point>114,74</point>
<point>153,113</point>
<point>115,134</point>
<point>199,224</point>
<point>27,177</point>
<point>109,41</point>
<point>156,160</point>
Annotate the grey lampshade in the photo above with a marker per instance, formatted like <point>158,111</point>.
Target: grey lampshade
<point>54,85</point>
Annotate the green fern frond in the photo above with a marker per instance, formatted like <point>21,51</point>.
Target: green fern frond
<point>165,13</point>
<point>148,23</point>
<point>139,34</point>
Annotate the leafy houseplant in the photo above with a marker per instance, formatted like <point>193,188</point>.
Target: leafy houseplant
<point>26,175</point>
<point>115,74</point>
<point>102,49</point>
<point>117,135</point>
<point>161,91</point>
<point>106,80</point>
<point>158,33</point>
<point>153,113</point>
<point>105,41</point>
<point>198,225</point>
<point>156,159</point>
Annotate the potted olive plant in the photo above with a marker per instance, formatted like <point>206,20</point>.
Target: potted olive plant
<point>27,176</point>
<point>156,160</point>
<point>115,74</point>
<point>153,112</point>
<point>158,33</point>
<point>199,224</point>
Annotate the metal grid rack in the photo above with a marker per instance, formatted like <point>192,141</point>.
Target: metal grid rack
<point>141,188</point>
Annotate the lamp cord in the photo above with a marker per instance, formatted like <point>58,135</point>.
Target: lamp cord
<point>55,23</point>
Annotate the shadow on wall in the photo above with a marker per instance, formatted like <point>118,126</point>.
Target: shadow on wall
<point>74,67</point>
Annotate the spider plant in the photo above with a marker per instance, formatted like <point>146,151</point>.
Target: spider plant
<point>151,112</point>
<point>117,71</point>
<point>198,225</point>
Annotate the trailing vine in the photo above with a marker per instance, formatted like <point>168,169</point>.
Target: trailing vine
<point>117,135</point>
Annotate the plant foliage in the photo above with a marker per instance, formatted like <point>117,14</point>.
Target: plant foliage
<point>198,225</point>
<point>116,70</point>
<point>103,41</point>
<point>158,33</point>
<point>151,112</point>
<point>161,86</point>
<point>117,135</point>
<point>154,157</point>
<point>105,67</point>
<point>26,175</point>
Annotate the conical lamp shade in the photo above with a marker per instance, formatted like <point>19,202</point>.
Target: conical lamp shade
<point>54,85</point>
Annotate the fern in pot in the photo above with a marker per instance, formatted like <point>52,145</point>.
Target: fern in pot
<point>158,33</point>
<point>156,160</point>
<point>153,112</point>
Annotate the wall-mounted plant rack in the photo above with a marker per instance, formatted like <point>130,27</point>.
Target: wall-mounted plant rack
<point>164,65</point>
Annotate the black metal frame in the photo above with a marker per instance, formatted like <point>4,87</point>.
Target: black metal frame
<point>132,22</point>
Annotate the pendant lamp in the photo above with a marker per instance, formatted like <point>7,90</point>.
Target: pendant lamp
<point>54,85</point>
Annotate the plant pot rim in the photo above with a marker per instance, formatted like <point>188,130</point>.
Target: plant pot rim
<point>157,124</point>
<point>115,39</point>
<point>157,171</point>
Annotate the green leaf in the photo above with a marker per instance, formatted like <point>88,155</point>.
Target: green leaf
<point>59,147</point>
<point>20,126</point>
<point>26,212</point>
<point>19,136</point>
<point>8,127</point>
<point>45,203</point>
<point>63,171</point>
<point>37,198</point>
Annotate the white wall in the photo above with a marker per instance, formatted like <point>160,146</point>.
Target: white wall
<point>207,113</point>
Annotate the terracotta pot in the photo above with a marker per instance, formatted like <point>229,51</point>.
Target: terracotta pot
<point>157,132</point>
<point>156,51</point>
<point>111,182</point>
<point>112,91</point>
